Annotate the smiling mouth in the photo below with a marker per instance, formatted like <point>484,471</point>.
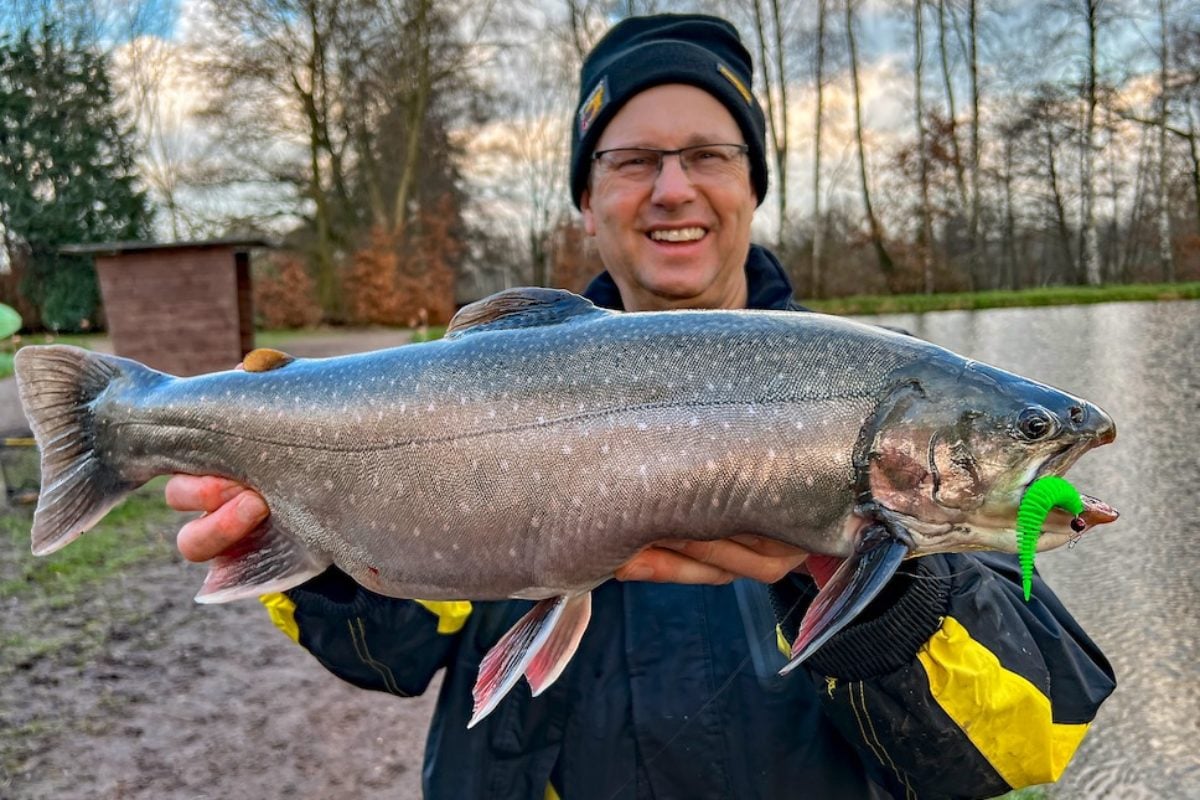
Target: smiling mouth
<point>678,235</point>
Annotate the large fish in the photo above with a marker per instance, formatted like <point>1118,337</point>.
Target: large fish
<point>545,441</point>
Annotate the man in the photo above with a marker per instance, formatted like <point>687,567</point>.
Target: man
<point>949,684</point>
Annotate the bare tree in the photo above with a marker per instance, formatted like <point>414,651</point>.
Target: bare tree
<point>886,265</point>
<point>978,255</point>
<point>1089,256</point>
<point>819,115</point>
<point>1165,258</point>
<point>960,180</point>
<point>775,83</point>
<point>925,235</point>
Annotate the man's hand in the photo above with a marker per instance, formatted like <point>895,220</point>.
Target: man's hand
<point>232,511</point>
<point>717,562</point>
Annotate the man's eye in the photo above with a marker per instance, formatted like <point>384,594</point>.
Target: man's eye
<point>633,161</point>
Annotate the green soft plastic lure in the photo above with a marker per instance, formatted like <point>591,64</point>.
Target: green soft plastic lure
<point>1042,495</point>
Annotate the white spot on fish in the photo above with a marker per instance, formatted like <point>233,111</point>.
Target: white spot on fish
<point>416,531</point>
<point>438,555</point>
<point>641,426</point>
<point>566,448</point>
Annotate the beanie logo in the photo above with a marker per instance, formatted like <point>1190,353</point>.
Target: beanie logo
<point>592,106</point>
<point>727,73</point>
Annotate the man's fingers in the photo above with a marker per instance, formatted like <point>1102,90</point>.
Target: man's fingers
<point>763,560</point>
<point>664,566</point>
<point>210,535</point>
<point>200,493</point>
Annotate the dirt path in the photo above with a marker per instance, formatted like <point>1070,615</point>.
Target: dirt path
<point>134,692</point>
<point>178,700</point>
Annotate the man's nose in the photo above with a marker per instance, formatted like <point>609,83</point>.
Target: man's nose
<point>672,185</point>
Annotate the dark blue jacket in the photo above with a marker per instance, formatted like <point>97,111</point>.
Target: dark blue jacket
<point>949,685</point>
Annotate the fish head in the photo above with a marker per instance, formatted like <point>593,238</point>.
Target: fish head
<point>955,444</point>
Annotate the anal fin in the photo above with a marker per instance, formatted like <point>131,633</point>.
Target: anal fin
<point>267,560</point>
<point>855,584</point>
<point>538,646</point>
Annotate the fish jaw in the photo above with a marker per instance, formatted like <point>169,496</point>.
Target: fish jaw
<point>999,531</point>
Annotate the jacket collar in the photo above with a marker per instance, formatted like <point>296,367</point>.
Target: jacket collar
<point>768,284</point>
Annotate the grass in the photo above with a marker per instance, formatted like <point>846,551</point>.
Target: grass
<point>130,534</point>
<point>1047,296</point>
<point>51,600</point>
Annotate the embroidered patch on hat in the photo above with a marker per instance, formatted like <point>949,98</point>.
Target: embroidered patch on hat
<point>590,109</point>
<point>727,73</point>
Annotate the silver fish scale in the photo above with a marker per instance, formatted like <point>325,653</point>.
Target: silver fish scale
<point>530,461</point>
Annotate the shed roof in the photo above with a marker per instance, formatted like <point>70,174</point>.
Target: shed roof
<point>116,248</point>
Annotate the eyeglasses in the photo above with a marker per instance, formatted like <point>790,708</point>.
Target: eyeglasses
<point>713,162</point>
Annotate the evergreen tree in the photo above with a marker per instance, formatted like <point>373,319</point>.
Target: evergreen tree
<point>66,170</point>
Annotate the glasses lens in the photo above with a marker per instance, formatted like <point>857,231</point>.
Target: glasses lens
<point>632,163</point>
<point>712,160</point>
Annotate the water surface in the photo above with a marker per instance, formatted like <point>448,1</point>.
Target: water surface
<point>1134,585</point>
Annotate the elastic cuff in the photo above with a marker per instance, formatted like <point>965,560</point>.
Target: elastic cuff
<point>888,640</point>
<point>333,592</point>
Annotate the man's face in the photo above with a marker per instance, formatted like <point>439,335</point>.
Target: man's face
<point>676,241</point>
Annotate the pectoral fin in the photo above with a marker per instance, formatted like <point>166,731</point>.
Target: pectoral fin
<point>848,592</point>
<point>538,646</point>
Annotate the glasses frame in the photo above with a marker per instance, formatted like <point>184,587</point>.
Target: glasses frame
<point>742,149</point>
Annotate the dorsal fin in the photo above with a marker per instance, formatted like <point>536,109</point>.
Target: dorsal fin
<point>265,359</point>
<point>522,307</point>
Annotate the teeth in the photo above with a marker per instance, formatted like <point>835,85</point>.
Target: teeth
<point>678,235</point>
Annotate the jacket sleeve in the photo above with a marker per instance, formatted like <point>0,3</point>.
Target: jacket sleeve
<point>952,685</point>
<point>372,641</point>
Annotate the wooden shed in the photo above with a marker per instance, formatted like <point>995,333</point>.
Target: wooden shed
<point>183,308</point>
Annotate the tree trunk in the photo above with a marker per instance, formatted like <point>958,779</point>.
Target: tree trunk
<point>1010,222</point>
<point>818,220</point>
<point>1060,211</point>
<point>415,119</point>
<point>925,238</point>
<point>1088,249</point>
<point>886,265</point>
<point>1195,153</point>
<point>960,180</point>
<point>1166,261</point>
<point>777,102</point>
<point>978,256</point>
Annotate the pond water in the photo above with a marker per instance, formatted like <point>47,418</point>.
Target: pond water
<point>1135,585</point>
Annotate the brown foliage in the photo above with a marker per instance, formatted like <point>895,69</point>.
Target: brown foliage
<point>574,262</point>
<point>405,279</point>
<point>284,293</point>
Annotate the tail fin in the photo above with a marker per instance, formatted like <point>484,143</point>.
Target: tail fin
<point>57,385</point>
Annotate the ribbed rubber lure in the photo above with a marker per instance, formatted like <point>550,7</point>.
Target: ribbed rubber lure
<point>1045,493</point>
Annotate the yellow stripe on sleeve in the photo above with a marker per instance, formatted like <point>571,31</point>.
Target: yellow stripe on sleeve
<point>283,614</point>
<point>550,793</point>
<point>1006,717</point>
<point>451,614</point>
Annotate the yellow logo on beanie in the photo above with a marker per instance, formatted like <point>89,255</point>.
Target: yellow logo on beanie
<point>591,107</point>
<point>737,84</point>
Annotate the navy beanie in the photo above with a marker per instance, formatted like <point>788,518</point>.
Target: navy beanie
<point>642,52</point>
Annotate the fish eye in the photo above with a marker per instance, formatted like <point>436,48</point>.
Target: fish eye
<point>1035,423</point>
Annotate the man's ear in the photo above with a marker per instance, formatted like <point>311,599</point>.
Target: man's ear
<point>589,217</point>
